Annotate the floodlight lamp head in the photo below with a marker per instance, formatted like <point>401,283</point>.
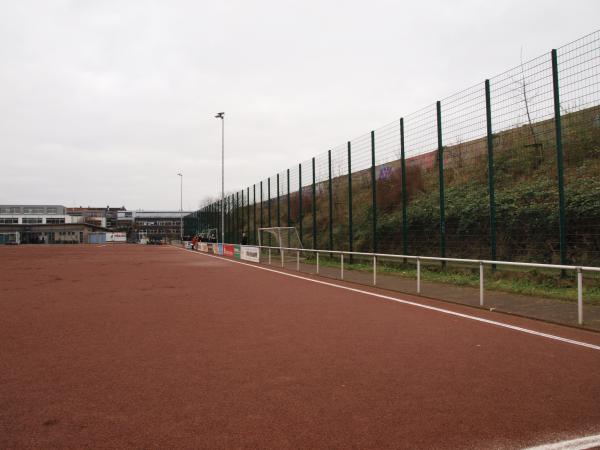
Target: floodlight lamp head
<point>220,115</point>
<point>180,174</point>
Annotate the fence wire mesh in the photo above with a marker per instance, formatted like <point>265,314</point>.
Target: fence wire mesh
<point>469,177</point>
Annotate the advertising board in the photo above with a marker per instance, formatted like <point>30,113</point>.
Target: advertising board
<point>250,253</point>
<point>228,250</point>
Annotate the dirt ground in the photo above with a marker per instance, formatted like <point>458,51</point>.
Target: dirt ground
<point>124,346</point>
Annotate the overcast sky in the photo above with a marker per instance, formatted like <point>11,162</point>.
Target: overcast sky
<point>104,102</point>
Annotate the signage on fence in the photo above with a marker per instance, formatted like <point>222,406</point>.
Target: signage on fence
<point>228,250</point>
<point>118,236</point>
<point>250,253</point>
<point>203,246</point>
<point>220,249</point>
<point>236,251</point>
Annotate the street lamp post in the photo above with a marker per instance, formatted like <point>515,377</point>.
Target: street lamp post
<point>221,116</point>
<point>180,206</point>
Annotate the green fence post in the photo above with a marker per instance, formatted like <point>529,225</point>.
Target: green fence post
<point>559,161</point>
<point>248,213</point>
<point>330,194</point>
<point>254,234</point>
<point>278,210</point>
<point>374,193</point>
<point>261,204</point>
<point>289,203</point>
<point>241,208</point>
<point>269,201</point>
<point>490,152</point>
<point>238,216</point>
<point>441,173</point>
<point>404,193</point>
<point>350,230</point>
<point>230,239</point>
<point>300,202</point>
<point>314,205</point>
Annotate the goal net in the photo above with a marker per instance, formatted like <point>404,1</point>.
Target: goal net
<point>280,238</point>
<point>210,235</point>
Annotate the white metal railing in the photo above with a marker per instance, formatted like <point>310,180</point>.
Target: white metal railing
<point>481,262</point>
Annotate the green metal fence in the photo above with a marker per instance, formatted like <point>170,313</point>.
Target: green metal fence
<point>508,169</point>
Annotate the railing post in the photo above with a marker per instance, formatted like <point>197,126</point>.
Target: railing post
<point>404,193</point>
<point>374,193</point>
<point>491,187</point>
<point>298,260</point>
<point>579,296</point>
<point>559,161</point>
<point>342,265</point>
<point>254,233</point>
<point>441,182</point>
<point>418,275</point>
<point>317,263</point>
<point>282,257</point>
<point>481,283</point>
<point>374,270</point>
<point>330,194</point>
<point>269,256</point>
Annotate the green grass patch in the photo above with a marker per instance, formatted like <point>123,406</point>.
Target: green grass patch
<point>535,283</point>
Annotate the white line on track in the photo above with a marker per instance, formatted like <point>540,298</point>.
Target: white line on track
<point>408,302</point>
<point>574,444</point>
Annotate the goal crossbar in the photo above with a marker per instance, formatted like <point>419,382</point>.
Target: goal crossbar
<point>278,232</point>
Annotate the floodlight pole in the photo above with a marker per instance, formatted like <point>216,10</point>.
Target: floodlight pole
<point>180,206</point>
<point>221,116</point>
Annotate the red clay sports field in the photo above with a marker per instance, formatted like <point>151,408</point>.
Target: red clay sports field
<point>159,347</point>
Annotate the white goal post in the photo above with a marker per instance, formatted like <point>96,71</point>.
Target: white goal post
<point>285,237</point>
<point>210,234</point>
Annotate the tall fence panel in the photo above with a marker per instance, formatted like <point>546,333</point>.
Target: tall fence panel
<point>507,169</point>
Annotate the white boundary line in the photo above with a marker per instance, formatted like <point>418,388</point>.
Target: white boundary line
<point>574,444</point>
<point>408,302</point>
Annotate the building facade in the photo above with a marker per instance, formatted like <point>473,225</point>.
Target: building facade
<point>153,226</point>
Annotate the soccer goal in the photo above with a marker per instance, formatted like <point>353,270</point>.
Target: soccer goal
<point>282,237</point>
<point>210,235</point>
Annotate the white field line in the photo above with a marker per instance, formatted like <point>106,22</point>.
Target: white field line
<point>408,302</point>
<point>574,444</point>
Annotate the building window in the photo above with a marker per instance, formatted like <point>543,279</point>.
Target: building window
<point>55,220</point>
<point>9,221</point>
<point>32,220</point>
<point>33,210</point>
<point>51,210</point>
<point>10,210</point>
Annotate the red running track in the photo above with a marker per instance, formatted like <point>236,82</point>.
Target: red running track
<point>156,347</point>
